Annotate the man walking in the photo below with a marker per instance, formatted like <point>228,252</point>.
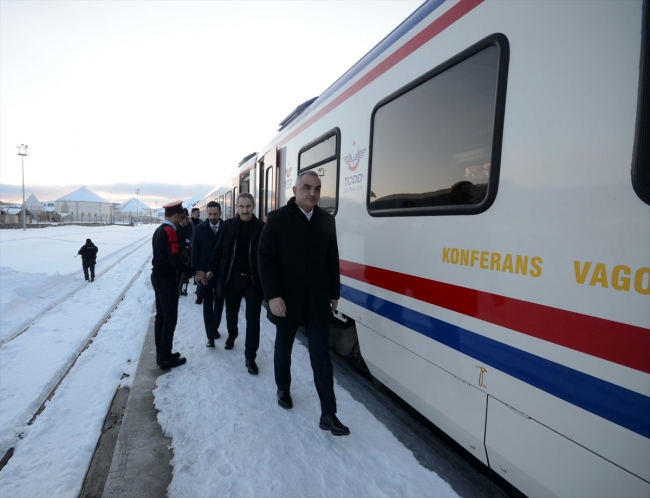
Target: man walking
<point>234,263</point>
<point>299,266</point>
<point>88,254</point>
<point>205,239</point>
<point>165,263</point>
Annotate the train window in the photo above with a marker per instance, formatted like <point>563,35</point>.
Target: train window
<point>641,159</point>
<point>322,155</point>
<point>435,145</point>
<point>269,202</point>
<point>226,205</point>
<point>245,182</point>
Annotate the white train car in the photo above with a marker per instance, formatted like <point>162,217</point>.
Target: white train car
<point>488,164</point>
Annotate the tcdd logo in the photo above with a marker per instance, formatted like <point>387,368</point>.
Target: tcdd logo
<point>351,180</point>
<point>353,162</point>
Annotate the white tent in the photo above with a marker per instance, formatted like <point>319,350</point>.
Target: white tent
<point>131,209</point>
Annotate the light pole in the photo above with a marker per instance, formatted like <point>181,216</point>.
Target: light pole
<point>137,204</point>
<point>22,151</point>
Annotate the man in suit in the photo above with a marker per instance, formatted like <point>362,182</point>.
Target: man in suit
<point>299,266</point>
<point>234,263</point>
<point>205,239</point>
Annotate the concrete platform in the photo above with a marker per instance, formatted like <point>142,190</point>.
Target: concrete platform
<point>141,462</point>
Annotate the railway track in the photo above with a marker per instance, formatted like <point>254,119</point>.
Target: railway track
<point>24,327</point>
<point>60,372</point>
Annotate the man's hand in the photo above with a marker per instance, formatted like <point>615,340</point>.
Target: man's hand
<point>200,275</point>
<point>277,306</point>
<point>334,303</point>
<point>207,277</point>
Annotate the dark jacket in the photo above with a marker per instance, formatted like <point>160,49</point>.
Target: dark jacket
<point>195,221</point>
<point>88,253</point>
<point>184,235</point>
<point>166,259</point>
<point>203,245</point>
<point>224,252</point>
<point>300,258</point>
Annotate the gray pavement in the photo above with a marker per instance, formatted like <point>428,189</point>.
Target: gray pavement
<point>140,465</point>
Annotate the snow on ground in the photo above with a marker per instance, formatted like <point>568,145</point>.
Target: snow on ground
<point>54,453</point>
<point>230,437</point>
<point>38,267</point>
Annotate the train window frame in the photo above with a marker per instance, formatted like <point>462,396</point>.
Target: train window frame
<point>641,154</point>
<point>225,207</point>
<point>498,40</point>
<point>269,172</point>
<point>334,132</point>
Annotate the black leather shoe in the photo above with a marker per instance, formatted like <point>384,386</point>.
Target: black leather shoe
<point>174,355</point>
<point>210,343</point>
<point>252,367</point>
<point>284,399</point>
<point>334,425</point>
<point>167,363</point>
<point>199,300</point>
<point>230,342</point>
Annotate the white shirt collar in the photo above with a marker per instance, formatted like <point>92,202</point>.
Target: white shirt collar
<point>308,215</point>
<point>167,222</point>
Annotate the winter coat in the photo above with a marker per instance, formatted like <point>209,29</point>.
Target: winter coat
<point>224,252</point>
<point>203,245</point>
<point>88,253</point>
<point>300,257</point>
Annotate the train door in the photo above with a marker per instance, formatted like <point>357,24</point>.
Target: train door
<point>268,179</point>
<point>233,205</point>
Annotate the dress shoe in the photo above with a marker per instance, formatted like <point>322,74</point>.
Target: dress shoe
<point>92,279</point>
<point>334,425</point>
<point>199,300</point>
<point>174,355</point>
<point>284,399</point>
<point>252,367</point>
<point>230,342</point>
<point>167,363</point>
<point>210,343</point>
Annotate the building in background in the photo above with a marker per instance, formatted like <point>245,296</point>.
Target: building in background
<point>85,206</point>
<point>132,210</point>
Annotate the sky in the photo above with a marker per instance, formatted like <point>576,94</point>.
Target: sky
<point>167,96</point>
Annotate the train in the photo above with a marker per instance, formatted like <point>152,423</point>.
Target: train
<point>488,167</point>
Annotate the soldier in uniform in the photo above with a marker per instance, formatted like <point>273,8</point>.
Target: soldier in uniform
<point>166,262</point>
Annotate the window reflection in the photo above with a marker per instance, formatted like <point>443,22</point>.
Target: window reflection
<point>432,146</point>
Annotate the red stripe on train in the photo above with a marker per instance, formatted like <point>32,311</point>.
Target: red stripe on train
<point>617,342</point>
<point>432,30</point>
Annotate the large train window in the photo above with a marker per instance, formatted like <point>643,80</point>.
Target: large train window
<point>245,182</point>
<point>641,159</point>
<point>322,155</point>
<point>436,144</point>
<point>226,205</point>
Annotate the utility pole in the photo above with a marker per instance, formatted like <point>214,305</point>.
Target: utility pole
<point>22,151</point>
<point>137,204</point>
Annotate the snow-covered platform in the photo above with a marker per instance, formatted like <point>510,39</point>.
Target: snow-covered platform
<point>230,438</point>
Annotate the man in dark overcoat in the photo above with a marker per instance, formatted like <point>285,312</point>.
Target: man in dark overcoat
<point>234,262</point>
<point>88,253</point>
<point>204,242</point>
<point>299,266</point>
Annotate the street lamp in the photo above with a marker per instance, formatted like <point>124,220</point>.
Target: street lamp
<point>22,151</point>
<point>137,203</point>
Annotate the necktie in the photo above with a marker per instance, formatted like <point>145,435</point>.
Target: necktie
<point>214,228</point>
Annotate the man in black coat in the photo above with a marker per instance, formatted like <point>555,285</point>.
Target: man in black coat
<point>196,220</point>
<point>165,265</point>
<point>299,266</point>
<point>88,254</point>
<point>234,263</point>
<point>203,244</point>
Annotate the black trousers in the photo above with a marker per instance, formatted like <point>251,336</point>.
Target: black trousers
<point>212,307</point>
<point>241,286</point>
<point>166,289</point>
<point>321,363</point>
<point>86,266</point>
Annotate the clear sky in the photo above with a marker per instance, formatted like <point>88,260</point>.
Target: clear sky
<point>118,95</point>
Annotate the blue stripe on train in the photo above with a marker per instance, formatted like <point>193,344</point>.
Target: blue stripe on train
<point>415,18</point>
<point>621,406</point>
